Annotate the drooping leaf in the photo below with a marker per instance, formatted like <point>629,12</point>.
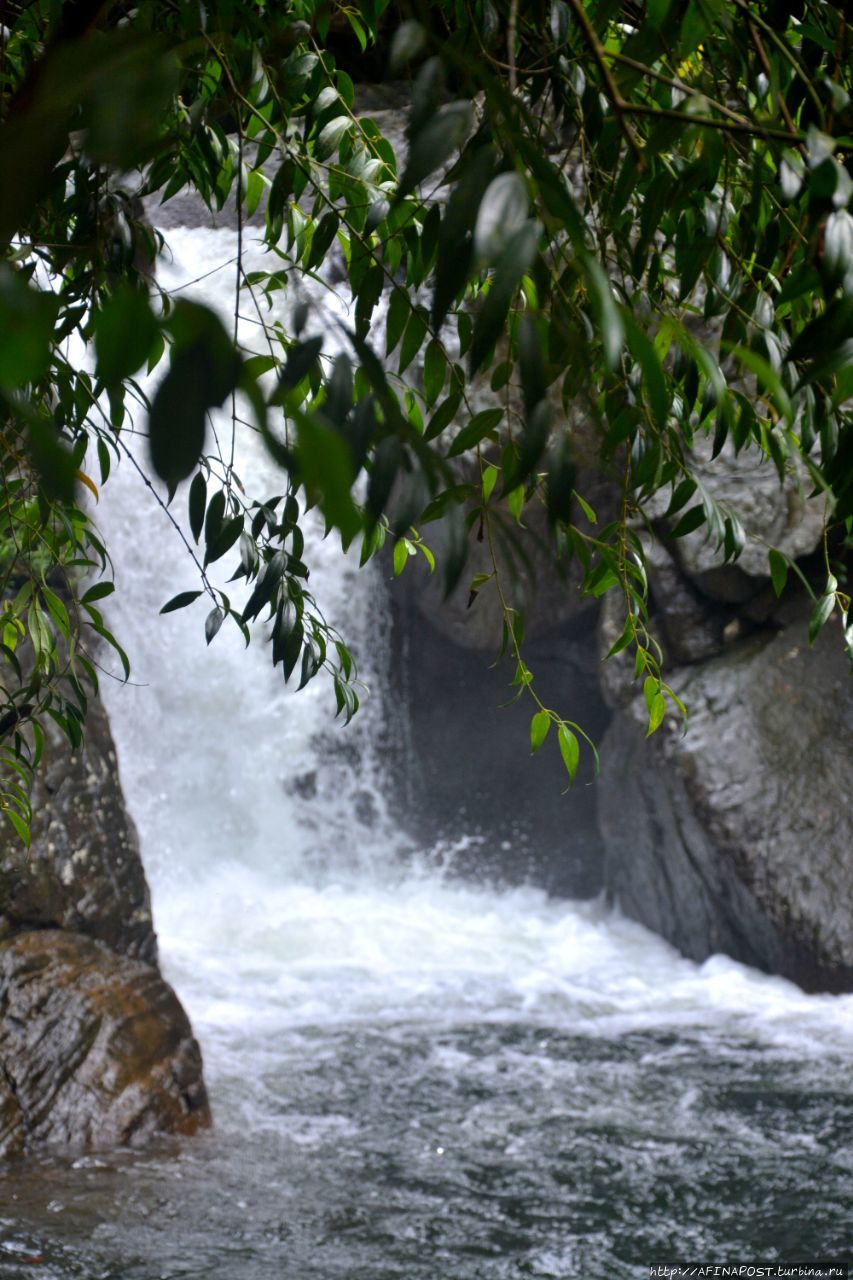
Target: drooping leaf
<point>539,726</point>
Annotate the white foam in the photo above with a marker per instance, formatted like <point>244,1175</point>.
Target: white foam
<point>279,910</point>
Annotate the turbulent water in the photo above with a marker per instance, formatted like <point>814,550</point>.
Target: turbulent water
<point>411,1076</point>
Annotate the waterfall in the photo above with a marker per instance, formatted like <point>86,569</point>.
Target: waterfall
<point>412,1076</point>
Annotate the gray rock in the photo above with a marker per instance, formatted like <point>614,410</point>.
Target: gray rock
<point>95,1049</point>
<point>737,837</point>
<point>472,790</point>
<point>83,871</point>
<point>692,626</point>
<point>772,514</point>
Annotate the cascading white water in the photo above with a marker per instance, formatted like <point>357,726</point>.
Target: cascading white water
<point>411,1076</point>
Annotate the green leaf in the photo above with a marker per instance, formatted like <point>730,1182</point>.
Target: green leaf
<point>539,726</point>
<point>625,638</point>
<point>97,592</point>
<point>689,522</point>
<point>654,379</point>
<point>435,143</point>
<point>125,329</point>
<point>443,416</point>
<point>585,508</point>
<point>435,370</point>
<point>820,615</point>
<point>569,750</point>
<point>502,213</point>
<point>778,570</point>
<point>21,827</point>
<point>26,327</point>
<point>224,540</point>
<point>407,42</point>
<point>212,623</point>
<point>301,359</point>
<point>516,259</point>
<point>838,245</point>
<point>455,239</point>
<point>181,600</point>
<point>399,309</point>
<point>605,311</point>
<point>413,338</point>
<point>325,469</point>
<point>197,504</point>
<point>768,378</point>
<point>477,429</point>
<point>515,502</point>
<point>331,135</point>
<point>203,370</point>
<point>401,557</point>
<point>54,462</point>
<point>657,710</point>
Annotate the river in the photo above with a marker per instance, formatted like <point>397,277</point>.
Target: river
<point>411,1076</point>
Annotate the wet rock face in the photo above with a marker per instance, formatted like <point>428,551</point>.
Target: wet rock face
<point>82,871</point>
<point>95,1048</point>
<point>472,790</point>
<point>737,837</point>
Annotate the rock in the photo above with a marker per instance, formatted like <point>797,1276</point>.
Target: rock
<point>692,626</point>
<point>83,871</point>
<point>737,837</point>
<point>473,792</point>
<point>772,514</point>
<point>95,1048</point>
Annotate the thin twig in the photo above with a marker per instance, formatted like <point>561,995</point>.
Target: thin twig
<point>613,93</point>
<point>512,31</point>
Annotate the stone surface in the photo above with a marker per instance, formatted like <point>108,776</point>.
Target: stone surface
<point>95,1049</point>
<point>473,793</point>
<point>692,626</point>
<point>772,514</point>
<point>82,871</point>
<point>738,836</point>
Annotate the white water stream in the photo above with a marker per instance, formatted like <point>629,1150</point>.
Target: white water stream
<point>413,1076</point>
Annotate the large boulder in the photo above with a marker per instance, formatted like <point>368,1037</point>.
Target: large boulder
<point>94,1047</point>
<point>736,837</point>
<point>83,871</point>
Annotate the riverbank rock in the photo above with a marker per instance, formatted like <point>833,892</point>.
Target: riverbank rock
<point>736,837</point>
<point>82,871</point>
<point>95,1049</point>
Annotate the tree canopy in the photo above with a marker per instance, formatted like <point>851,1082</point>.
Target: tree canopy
<point>615,231</point>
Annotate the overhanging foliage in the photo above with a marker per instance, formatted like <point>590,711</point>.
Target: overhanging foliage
<point>635,215</point>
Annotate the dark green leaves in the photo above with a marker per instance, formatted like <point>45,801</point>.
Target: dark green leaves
<point>181,600</point>
<point>516,259</point>
<point>607,316</point>
<point>125,329</point>
<point>26,327</point>
<point>476,430</point>
<point>203,369</point>
<point>502,212</point>
<point>455,238</point>
<point>435,143</point>
<point>778,570</point>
